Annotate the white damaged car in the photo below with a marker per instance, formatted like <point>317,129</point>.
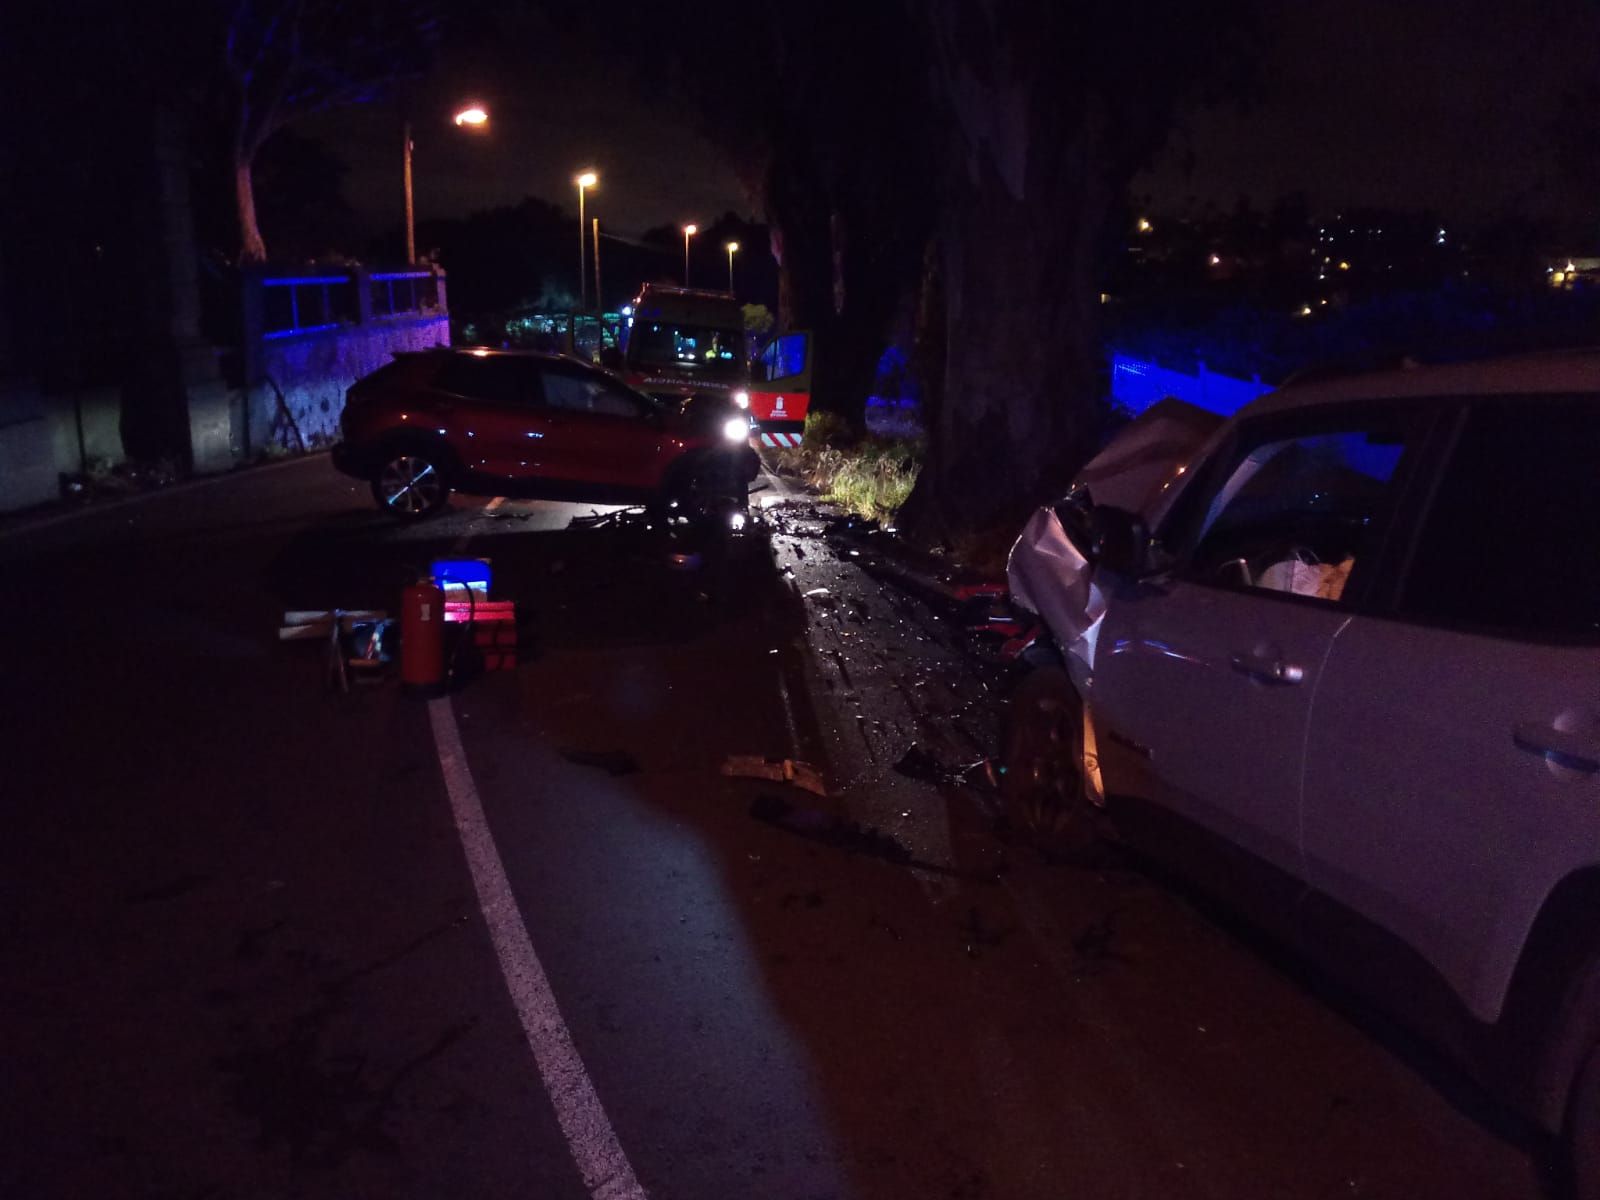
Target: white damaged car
<point>1338,661</point>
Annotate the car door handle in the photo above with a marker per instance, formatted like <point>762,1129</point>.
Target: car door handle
<point>1268,668</point>
<point>1578,750</point>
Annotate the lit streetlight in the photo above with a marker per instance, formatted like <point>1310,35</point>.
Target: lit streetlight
<point>475,116</point>
<point>688,232</point>
<point>584,181</point>
<point>733,248</point>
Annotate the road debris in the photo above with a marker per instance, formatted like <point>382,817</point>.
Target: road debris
<point>917,763</point>
<point>842,834</point>
<point>612,762</point>
<point>982,937</point>
<point>784,770</point>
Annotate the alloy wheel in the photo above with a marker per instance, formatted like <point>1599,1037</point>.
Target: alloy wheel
<point>411,486</point>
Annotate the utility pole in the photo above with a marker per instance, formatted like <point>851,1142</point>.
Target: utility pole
<point>599,298</point>
<point>411,215</point>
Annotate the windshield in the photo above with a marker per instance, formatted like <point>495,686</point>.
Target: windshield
<point>696,349</point>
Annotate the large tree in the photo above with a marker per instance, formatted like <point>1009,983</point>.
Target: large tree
<point>289,59</point>
<point>1050,107</point>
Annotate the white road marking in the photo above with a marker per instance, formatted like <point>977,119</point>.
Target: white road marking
<point>605,1168</point>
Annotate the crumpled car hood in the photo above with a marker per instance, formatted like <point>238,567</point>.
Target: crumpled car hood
<point>1047,573</point>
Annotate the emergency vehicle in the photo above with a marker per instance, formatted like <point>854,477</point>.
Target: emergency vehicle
<point>686,341</point>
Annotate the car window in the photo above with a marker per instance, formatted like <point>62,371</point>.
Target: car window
<point>587,394</point>
<point>1508,543</point>
<point>1294,514</point>
<point>784,357</point>
<point>502,379</point>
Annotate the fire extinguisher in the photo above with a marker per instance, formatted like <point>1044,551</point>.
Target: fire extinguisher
<point>422,637</point>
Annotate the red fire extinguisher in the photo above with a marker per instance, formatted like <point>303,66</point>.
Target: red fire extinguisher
<point>422,637</point>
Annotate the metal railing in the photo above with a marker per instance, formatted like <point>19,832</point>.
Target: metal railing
<point>294,305</point>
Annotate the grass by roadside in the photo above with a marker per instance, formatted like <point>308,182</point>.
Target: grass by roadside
<point>871,477</point>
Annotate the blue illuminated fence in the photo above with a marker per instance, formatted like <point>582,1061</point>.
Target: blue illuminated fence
<point>306,303</point>
<point>1136,384</point>
<point>395,293</point>
<point>294,305</point>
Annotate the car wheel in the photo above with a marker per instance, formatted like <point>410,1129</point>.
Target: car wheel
<point>1583,1131</point>
<point>411,484</point>
<point>1041,789</point>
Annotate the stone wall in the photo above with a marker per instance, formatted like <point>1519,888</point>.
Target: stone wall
<point>308,337</point>
<point>296,369</point>
<point>39,439</point>
<point>312,370</point>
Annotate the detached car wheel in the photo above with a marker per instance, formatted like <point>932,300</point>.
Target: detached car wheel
<point>1042,789</point>
<point>411,484</point>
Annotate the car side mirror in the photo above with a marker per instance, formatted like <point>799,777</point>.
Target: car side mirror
<point>1118,540</point>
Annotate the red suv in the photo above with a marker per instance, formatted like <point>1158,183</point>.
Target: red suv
<point>495,422</point>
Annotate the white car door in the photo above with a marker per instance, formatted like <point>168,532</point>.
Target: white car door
<point>1204,679</point>
<point>1453,764</point>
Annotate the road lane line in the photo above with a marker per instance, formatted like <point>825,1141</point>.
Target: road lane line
<point>605,1168</point>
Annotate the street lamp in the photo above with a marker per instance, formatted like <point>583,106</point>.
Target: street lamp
<point>586,180</point>
<point>688,232</point>
<point>733,248</point>
<point>475,116</point>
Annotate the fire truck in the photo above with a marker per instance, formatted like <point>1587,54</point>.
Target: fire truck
<point>686,341</point>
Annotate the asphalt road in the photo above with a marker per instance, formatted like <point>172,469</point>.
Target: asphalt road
<point>244,954</point>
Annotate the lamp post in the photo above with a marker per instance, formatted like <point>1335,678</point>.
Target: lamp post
<point>733,248</point>
<point>586,180</point>
<point>688,232</point>
<point>473,116</point>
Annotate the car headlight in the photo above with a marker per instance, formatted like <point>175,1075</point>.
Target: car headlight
<point>742,399</point>
<point>736,429</point>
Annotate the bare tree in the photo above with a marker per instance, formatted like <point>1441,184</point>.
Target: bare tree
<point>289,59</point>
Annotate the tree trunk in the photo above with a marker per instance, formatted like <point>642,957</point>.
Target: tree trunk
<point>846,351</point>
<point>828,286</point>
<point>251,248</point>
<point>1018,410</point>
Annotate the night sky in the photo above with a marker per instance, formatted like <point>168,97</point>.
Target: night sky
<point>1406,103</point>
<point>557,105</point>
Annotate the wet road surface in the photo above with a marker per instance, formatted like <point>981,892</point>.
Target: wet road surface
<point>244,955</point>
